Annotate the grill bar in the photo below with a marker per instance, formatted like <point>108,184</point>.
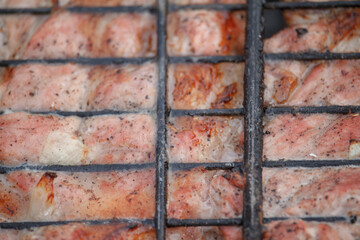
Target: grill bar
<point>310,219</point>
<point>311,56</point>
<point>211,112</point>
<point>160,215</point>
<point>311,5</point>
<point>207,59</point>
<point>23,225</point>
<point>207,166</point>
<point>313,110</point>
<point>310,163</point>
<point>88,113</point>
<point>253,104</point>
<point>203,222</point>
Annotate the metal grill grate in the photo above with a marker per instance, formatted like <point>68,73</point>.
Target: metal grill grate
<point>253,113</point>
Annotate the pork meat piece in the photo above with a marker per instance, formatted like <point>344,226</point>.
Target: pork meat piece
<point>25,3</point>
<point>71,35</point>
<point>120,139</point>
<point>198,193</point>
<point>309,137</point>
<point>106,3</point>
<point>205,139</point>
<point>39,196</point>
<point>184,233</point>
<point>40,139</point>
<point>335,31</point>
<point>204,86</point>
<point>298,230</point>
<point>311,192</point>
<point>318,83</point>
<point>204,32</point>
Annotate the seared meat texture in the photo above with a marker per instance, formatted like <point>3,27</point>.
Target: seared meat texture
<point>204,86</point>
<point>51,139</point>
<point>294,83</point>
<point>72,87</point>
<point>198,193</point>
<point>311,192</point>
<point>335,31</point>
<point>71,35</point>
<point>298,230</point>
<point>306,137</point>
<point>204,32</point>
<point>205,139</point>
<point>38,196</point>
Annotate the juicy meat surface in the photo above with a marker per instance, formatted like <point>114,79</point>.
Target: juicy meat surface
<point>186,2</point>
<point>299,230</point>
<point>70,35</point>
<point>26,138</point>
<point>203,32</point>
<point>337,31</point>
<point>205,139</point>
<point>317,136</point>
<point>119,231</point>
<point>38,196</point>
<point>51,139</point>
<point>200,193</point>
<point>311,192</point>
<point>204,86</point>
<point>72,87</point>
<point>120,139</point>
<point>294,83</point>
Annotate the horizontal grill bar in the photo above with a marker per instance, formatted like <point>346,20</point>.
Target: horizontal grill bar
<point>299,5</point>
<point>218,7</point>
<point>79,168</point>
<point>311,56</point>
<point>309,219</point>
<point>203,222</point>
<point>23,225</point>
<point>207,166</point>
<point>207,112</point>
<point>81,60</point>
<point>310,163</point>
<point>207,59</point>
<point>313,110</point>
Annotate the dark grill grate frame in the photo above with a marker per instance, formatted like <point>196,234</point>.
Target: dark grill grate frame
<point>253,84</point>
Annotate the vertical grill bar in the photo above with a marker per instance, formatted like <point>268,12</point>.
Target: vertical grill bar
<point>160,218</point>
<point>253,104</point>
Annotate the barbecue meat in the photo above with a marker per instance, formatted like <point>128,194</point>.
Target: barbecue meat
<point>337,31</point>
<point>25,3</point>
<point>72,87</point>
<point>71,35</point>
<point>205,139</point>
<point>204,86</point>
<point>311,192</point>
<point>39,196</point>
<point>204,32</point>
<point>317,136</point>
<point>297,230</point>
<point>199,193</point>
<point>107,3</point>
<point>294,83</point>
<point>51,139</point>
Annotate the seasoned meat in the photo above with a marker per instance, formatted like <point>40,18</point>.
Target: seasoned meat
<point>203,32</point>
<point>50,139</point>
<point>126,87</point>
<point>72,87</point>
<point>184,233</point>
<point>26,138</point>
<point>204,86</point>
<point>186,2</point>
<point>317,136</point>
<point>294,83</point>
<point>70,35</point>
<point>198,193</point>
<point>106,3</point>
<point>311,192</point>
<point>205,139</point>
<point>337,31</point>
<point>38,196</point>
<point>298,230</point>
<point>120,139</point>
<point>25,3</point>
